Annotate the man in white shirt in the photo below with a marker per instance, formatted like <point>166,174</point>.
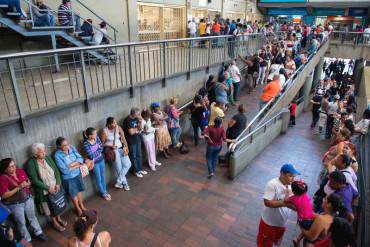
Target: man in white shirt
<point>192,29</point>
<point>367,34</point>
<point>236,78</point>
<point>101,35</point>
<point>275,216</point>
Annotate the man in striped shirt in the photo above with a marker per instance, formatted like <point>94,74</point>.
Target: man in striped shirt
<point>65,15</point>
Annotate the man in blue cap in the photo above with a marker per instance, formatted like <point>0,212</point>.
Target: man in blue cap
<point>275,216</point>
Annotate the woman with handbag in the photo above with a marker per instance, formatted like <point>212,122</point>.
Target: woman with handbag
<point>15,194</point>
<point>116,151</point>
<point>94,151</point>
<point>46,180</point>
<point>71,165</point>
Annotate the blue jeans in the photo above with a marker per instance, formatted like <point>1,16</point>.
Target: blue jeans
<point>175,135</point>
<point>13,4</point>
<point>99,172</point>
<point>122,164</point>
<point>20,212</point>
<point>45,20</point>
<point>212,157</point>
<point>236,90</point>
<point>136,156</point>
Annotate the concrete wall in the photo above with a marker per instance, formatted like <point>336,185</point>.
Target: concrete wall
<point>255,144</point>
<point>351,51</point>
<point>363,95</point>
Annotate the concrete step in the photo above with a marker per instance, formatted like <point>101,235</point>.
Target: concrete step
<point>4,6</point>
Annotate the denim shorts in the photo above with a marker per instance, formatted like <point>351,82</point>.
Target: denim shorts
<point>73,186</point>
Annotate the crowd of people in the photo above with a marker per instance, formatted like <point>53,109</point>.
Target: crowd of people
<point>53,177</point>
<point>327,218</point>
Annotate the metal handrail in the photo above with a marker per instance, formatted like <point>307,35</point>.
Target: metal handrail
<point>261,126</point>
<point>263,111</point>
<point>78,49</point>
<point>98,16</point>
<point>55,14</point>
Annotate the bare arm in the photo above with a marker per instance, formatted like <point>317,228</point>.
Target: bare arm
<point>273,203</point>
<point>316,229</point>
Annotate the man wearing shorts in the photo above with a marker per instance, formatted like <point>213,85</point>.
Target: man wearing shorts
<point>274,217</point>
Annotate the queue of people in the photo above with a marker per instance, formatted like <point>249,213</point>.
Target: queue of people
<point>327,218</point>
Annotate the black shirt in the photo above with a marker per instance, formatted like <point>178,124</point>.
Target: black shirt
<point>129,123</point>
<point>197,114</point>
<point>238,127</point>
<point>317,99</point>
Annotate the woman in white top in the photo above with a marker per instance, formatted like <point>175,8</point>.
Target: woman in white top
<point>113,137</point>
<point>84,230</point>
<point>148,139</point>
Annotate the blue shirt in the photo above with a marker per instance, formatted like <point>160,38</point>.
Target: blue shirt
<point>64,160</point>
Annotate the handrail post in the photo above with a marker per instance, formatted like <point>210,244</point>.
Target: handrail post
<point>225,49</point>
<point>130,72</point>
<point>189,59</point>
<point>84,83</point>
<point>164,64</point>
<point>209,55</point>
<point>17,96</point>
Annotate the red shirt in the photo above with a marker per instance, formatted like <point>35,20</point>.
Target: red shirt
<point>217,135</point>
<point>8,183</point>
<point>216,28</point>
<point>293,109</point>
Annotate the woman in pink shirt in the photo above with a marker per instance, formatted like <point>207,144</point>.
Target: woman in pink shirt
<point>300,201</point>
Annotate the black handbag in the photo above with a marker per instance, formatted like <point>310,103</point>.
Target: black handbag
<point>57,202</point>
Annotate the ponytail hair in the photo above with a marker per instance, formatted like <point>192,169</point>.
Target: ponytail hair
<point>87,219</point>
<point>337,204</point>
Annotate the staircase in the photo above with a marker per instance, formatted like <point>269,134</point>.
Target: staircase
<point>61,36</point>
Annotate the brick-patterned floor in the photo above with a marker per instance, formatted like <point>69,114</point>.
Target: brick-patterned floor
<point>178,206</point>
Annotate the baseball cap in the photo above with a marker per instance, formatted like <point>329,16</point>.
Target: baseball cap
<point>155,104</point>
<point>289,168</point>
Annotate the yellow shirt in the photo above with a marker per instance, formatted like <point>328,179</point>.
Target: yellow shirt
<point>215,112</point>
<point>202,28</point>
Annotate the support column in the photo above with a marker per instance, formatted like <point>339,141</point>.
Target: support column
<point>131,12</point>
<point>318,72</point>
<point>306,92</point>
<point>54,45</point>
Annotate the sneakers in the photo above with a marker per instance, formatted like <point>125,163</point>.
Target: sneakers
<point>126,187</point>
<point>118,186</point>
<point>153,169</point>
<point>143,172</point>
<point>178,145</point>
<point>158,164</point>
<point>211,175</point>
<point>138,174</point>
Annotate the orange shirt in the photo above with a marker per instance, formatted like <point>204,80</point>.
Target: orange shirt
<point>271,90</point>
<point>216,28</point>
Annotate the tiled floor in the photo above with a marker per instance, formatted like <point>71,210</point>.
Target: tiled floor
<point>178,206</point>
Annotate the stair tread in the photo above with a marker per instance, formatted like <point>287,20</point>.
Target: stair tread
<point>2,6</point>
<point>13,13</point>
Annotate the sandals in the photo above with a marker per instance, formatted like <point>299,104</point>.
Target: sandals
<point>62,222</point>
<point>59,228</point>
<point>107,197</point>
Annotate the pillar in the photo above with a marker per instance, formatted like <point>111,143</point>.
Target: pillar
<point>131,15</point>
<point>318,72</point>
<point>306,92</point>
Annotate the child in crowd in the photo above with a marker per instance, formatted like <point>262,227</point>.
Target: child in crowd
<point>293,110</point>
<point>300,201</point>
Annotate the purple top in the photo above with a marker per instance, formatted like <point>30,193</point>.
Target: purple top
<point>347,194</point>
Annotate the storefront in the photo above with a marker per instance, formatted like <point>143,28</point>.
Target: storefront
<point>156,22</point>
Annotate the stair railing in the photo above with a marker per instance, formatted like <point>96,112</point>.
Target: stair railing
<point>115,31</point>
<point>55,15</point>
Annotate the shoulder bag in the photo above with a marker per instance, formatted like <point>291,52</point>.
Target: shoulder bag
<point>109,152</point>
<point>57,202</point>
